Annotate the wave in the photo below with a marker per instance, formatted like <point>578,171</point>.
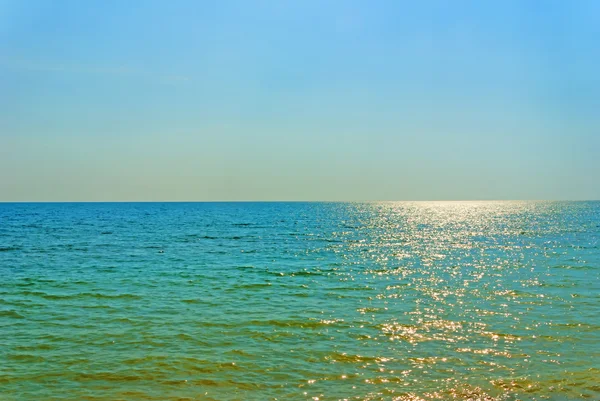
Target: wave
<point>10,248</point>
<point>11,313</point>
<point>81,295</point>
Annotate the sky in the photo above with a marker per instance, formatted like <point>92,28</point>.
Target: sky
<point>110,100</point>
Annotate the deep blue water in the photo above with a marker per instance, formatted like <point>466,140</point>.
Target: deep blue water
<point>258,301</point>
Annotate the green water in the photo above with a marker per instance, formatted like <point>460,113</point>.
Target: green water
<point>299,301</point>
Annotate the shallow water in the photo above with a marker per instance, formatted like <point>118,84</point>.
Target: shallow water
<point>258,301</point>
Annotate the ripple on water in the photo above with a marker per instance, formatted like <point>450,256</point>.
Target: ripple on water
<point>366,301</point>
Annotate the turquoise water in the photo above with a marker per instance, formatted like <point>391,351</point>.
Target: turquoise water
<point>300,301</point>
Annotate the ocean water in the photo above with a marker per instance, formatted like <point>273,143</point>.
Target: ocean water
<point>300,301</point>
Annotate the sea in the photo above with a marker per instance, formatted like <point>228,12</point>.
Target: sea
<point>403,301</point>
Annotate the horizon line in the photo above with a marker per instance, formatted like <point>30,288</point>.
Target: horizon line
<point>308,201</point>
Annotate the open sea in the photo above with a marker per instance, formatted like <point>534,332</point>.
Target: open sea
<point>400,301</point>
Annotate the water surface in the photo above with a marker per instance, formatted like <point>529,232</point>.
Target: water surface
<point>299,301</point>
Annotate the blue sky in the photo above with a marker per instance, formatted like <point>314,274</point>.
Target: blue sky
<point>299,100</point>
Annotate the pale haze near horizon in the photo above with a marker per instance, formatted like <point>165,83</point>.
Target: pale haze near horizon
<point>299,100</point>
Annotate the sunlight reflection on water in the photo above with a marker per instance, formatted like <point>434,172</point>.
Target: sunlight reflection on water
<point>404,301</point>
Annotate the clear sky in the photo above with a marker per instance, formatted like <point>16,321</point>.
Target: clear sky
<point>299,100</point>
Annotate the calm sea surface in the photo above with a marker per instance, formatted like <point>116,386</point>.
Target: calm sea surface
<point>300,301</point>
